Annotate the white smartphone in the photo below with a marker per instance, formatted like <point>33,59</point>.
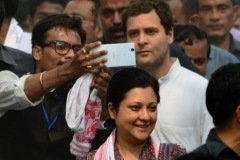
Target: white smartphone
<point>119,54</point>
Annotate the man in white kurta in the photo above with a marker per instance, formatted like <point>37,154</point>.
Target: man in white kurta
<point>182,114</point>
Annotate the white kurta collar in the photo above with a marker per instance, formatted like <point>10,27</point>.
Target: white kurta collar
<point>172,71</point>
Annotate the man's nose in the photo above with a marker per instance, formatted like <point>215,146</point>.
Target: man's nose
<point>117,18</point>
<point>215,14</point>
<point>141,39</point>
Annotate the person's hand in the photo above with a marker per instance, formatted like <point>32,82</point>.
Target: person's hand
<point>84,61</point>
<point>102,78</point>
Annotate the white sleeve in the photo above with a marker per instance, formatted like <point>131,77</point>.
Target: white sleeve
<point>12,95</point>
<point>206,121</point>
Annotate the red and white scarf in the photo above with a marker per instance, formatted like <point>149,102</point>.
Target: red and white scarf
<point>83,111</point>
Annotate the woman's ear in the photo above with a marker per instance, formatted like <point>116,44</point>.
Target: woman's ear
<point>37,52</point>
<point>112,112</point>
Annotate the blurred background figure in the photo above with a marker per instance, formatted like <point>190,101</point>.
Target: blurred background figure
<point>12,59</point>
<point>110,12</point>
<point>40,9</point>
<point>87,11</point>
<point>236,26</point>
<point>217,56</point>
<point>183,11</point>
<point>23,14</point>
<point>216,18</point>
<point>12,35</point>
<point>195,43</point>
<point>237,21</point>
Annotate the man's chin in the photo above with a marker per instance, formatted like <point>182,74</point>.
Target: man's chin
<point>144,65</point>
<point>216,35</point>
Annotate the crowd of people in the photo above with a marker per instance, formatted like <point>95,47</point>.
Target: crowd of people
<point>60,101</point>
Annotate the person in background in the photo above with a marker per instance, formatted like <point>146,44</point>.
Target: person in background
<point>109,13</point>
<point>132,100</point>
<point>23,15</point>
<point>237,20</point>
<point>183,11</point>
<point>216,18</point>
<point>235,30</point>
<point>12,35</point>
<point>32,110</point>
<point>195,43</point>
<point>12,59</point>
<point>87,10</point>
<point>188,9</point>
<point>223,104</point>
<point>182,110</point>
<point>40,9</point>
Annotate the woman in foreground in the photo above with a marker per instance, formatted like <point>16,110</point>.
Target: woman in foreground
<point>132,99</point>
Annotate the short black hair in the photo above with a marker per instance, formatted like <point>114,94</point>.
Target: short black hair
<point>60,20</point>
<point>2,12</point>
<point>190,7</point>
<point>187,33</point>
<point>137,7</point>
<point>127,79</point>
<point>197,3</point>
<point>223,94</point>
<point>35,3</point>
<point>97,4</point>
<point>10,7</point>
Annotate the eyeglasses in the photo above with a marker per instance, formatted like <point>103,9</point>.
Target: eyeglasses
<point>62,47</point>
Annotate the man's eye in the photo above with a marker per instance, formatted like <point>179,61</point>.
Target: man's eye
<point>151,31</point>
<point>62,46</point>
<point>107,13</point>
<point>132,34</point>
<point>223,8</point>
<point>205,9</point>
